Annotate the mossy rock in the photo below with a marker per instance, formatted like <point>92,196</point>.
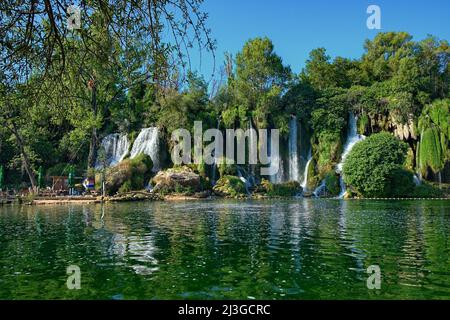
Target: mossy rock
<point>128,175</point>
<point>226,168</point>
<point>230,187</point>
<point>287,189</point>
<point>332,184</point>
<point>179,180</point>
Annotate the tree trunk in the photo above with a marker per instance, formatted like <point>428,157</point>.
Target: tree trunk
<point>93,144</point>
<point>25,158</point>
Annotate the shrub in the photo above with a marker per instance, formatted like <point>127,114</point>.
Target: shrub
<point>426,190</point>
<point>371,166</point>
<point>400,183</point>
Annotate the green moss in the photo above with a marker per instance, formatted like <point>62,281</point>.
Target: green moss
<point>430,154</point>
<point>329,149</point>
<point>332,184</point>
<point>363,123</point>
<point>126,187</point>
<point>230,186</point>
<point>130,174</point>
<point>313,179</point>
<point>433,151</point>
<point>409,161</point>
<point>225,168</point>
<point>287,189</point>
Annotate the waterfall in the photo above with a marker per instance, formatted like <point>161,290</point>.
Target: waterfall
<point>352,138</point>
<point>214,167</point>
<point>305,174</point>
<point>417,181</point>
<point>147,142</point>
<point>252,147</point>
<point>116,148</point>
<point>278,177</point>
<point>319,190</point>
<point>241,174</point>
<point>293,152</point>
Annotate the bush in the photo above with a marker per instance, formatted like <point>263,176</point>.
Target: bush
<point>401,184</point>
<point>426,190</point>
<point>371,166</point>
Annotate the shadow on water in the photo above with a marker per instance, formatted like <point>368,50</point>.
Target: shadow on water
<point>280,249</point>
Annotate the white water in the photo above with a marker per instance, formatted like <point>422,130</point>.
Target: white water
<point>278,177</point>
<point>319,189</point>
<point>417,181</point>
<point>305,174</point>
<point>352,138</point>
<point>147,142</point>
<point>116,148</point>
<point>247,183</point>
<point>294,174</point>
<point>214,167</point>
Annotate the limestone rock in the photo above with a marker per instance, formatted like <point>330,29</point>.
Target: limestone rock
<point>174,178</point>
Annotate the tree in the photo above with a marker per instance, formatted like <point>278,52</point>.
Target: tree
<point>373,164</point>
<point>119,46</point>
<point>260,81</point>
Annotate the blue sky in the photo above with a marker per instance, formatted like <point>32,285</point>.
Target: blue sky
<point>298,26</point>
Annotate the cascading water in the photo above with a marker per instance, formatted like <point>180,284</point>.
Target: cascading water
<point>278,177</point>
<point>417,181</point>
<point>242,175</point>
<point>214,167</point>
<point>320,189</point>
<point>115,147</point>
<point>294,174</point>
<point>304,183</point>
<point>352,138</point>
<point>147,142</point>
<point>253,145</point>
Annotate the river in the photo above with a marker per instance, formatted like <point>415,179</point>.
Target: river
<point>226,249</point>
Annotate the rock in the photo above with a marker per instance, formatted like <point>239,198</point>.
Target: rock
<point>230,187</point>
<point>130,174</point>
<point>177,180</point>
<point>134,196</point>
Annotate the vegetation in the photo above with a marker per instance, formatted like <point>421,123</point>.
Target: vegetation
<point>288,189</point>
<point>130,174</point>
<point>63,90</point>
<point>373,167</point>
<point>230,186</point>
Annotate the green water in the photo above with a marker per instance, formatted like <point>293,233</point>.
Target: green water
<point>296,249</point>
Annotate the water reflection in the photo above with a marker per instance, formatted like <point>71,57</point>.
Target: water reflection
<point>297,249</point>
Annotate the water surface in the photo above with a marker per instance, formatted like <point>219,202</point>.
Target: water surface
<point>293,249</point>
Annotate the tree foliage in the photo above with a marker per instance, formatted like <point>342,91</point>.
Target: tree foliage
<point>373,165</point>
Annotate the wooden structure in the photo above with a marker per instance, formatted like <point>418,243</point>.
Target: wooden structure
<point>60,183</point>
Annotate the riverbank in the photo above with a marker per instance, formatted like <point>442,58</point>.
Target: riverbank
<point>148,197</point>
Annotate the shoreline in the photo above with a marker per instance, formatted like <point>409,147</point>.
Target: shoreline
<point>180,198</point>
